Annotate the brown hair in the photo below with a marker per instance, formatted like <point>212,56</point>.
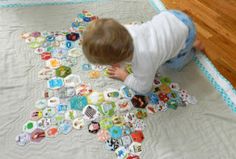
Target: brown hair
<point>105,41</point>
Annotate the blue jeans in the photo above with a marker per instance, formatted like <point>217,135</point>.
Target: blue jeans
<point>186,54</point>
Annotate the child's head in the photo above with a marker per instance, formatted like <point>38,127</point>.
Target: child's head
<point>105,41</point>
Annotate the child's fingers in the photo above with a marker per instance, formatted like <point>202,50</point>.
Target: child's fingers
<point>110,72</point>
<point>112,76</point>
<point>112,69</point>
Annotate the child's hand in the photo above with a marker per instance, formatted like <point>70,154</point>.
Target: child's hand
<point>117,73</point>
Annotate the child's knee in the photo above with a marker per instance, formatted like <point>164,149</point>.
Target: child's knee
<point>178,63</point>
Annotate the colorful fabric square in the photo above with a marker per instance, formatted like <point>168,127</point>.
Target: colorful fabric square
<point>83,90</point>
<point>135,148</point>
<point>153,98</point>
<point>141,113</point>
<point>103,135</point>
<point>72,80</point>
<point>65,127</point>
<point>94,127</point>
<point>139,101</point>
<point>126,92</point>
<point>90,112</point>
<point>63,71</point>
<point>52,132</point>
<point>23,139</point>
<point>86,67</point>
<point>137,136</point>
<point>58,119</point>
<point>95,98</point>
<point>37,135</point>
<point>165,80</point>
<point>112,95</point>
<point>36,115</point>
<point>112,144</point>
<point>53,101</point>
<point>75,52</point>
<point>71,115</point>
<point>46,55</point>
<point>124,105</point>
<point>115,132</point>
<point>129,68</point>
<point>44,123</point>
<point>94,74</point>
<point>61,108</point>
<point>49,112</point>
<point>53,63</point>
<point>78,123</point>
<point>118,120</point>
<point>125,141</point>
<point>30,126</point>
<point>55,83</point>
<point>72,36</point>
<point>106,123</point>
<point>121,152</point>
<point>107,108</point>
<point>173,104</point>
<point>78,102</point>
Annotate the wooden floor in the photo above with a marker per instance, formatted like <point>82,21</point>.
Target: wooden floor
<point>216,24</point>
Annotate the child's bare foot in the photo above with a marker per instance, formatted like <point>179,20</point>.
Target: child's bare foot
<point>199,45</point>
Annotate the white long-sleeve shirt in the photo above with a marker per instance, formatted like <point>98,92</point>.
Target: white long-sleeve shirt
<point>155,42</point>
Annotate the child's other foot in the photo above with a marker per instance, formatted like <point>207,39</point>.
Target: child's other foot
<point>199,45</point>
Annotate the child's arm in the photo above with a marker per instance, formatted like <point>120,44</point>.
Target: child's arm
<point>140,80</point>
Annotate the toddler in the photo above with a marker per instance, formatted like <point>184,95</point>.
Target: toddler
<point>167,39</point>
